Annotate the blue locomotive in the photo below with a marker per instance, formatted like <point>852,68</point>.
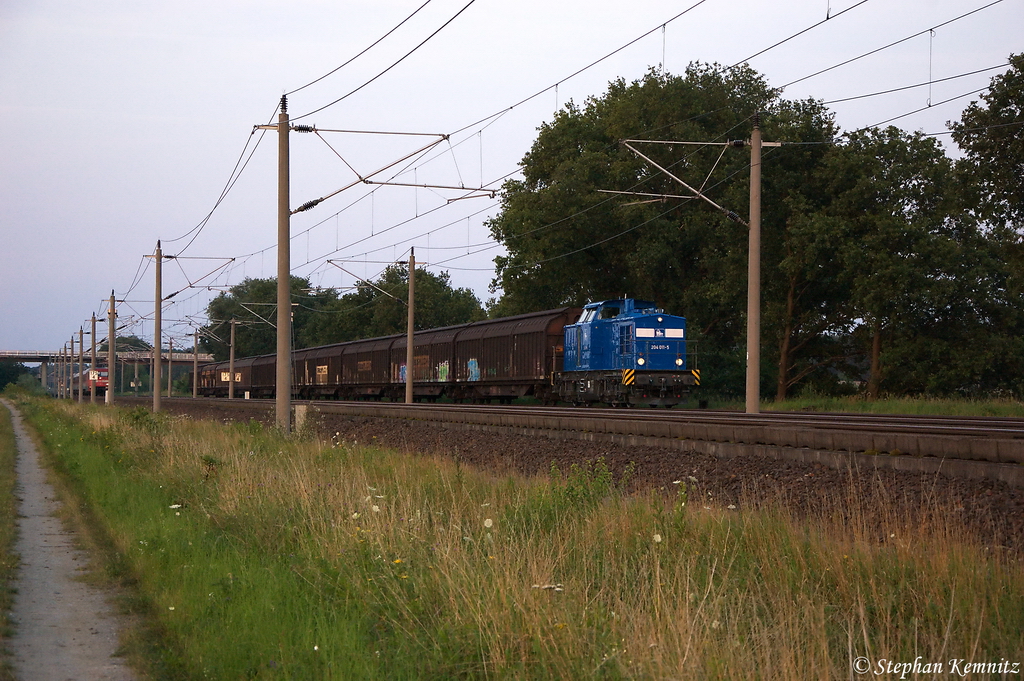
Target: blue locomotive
<point>621,352</point>
<point>626,352</point>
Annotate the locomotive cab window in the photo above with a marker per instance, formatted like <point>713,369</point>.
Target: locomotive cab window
<point>610,312</point>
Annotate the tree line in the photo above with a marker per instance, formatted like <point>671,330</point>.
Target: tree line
<point>320,316</point>
<point>886,265</point>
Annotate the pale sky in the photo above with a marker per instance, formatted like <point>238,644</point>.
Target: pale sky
<point>121,122</point>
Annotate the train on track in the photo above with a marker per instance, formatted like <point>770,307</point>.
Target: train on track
<point>93,379</point>
<point>622,352</point>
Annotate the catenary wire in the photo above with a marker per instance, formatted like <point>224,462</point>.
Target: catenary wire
<point>393,65</point>
<point>508,109</point>
<point>360,54</point>
<point>892,44</point>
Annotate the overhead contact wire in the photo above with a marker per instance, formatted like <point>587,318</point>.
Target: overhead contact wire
<point>399,61</point>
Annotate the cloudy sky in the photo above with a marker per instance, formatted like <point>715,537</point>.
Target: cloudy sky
<point>121,123</point>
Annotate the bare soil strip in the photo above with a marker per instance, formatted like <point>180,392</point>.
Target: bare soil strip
<point>65,629</point>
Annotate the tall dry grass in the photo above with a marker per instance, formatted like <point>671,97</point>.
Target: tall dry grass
<point>326,559</point>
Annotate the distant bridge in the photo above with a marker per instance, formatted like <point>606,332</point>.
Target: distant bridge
<point>125,357</point>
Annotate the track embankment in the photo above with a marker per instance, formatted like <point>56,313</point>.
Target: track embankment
<point>733,474</point>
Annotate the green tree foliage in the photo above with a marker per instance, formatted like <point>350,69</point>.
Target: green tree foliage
<point>253,304</point>
<point>11,372</point>
<point>569,242</point>
<point>991,135</point>
<point>125,344</point>
<point>881,260</point>
<point>381,309</point>
<point>322,317</point>
<point>911,263</point>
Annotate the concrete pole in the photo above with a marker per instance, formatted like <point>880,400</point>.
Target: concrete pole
<point>170,365</point>
<point>71,369</point>
<point>92,363</point>
<point>283,383</point>
<point>158,304</point>
<point>231,363</point>
<point>136,381</point>
<point>409,328</point>
<point>195,366</point>
<point>111,350</point>
<point>753,402</point>
<point>42,375</point>
<point>81,363</point>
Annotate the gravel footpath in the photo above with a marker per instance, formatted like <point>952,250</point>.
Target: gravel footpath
<point>64,629</point>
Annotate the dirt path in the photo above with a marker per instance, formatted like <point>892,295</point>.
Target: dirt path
<point>64,629</point>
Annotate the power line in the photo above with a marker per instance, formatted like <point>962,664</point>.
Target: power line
<point>578,72</point>
<point>885,47</point>
<point>399,61</point>
<point>909,87</point>
<point>364,51</point>
<point>503,111</point>
<point>799,33</point>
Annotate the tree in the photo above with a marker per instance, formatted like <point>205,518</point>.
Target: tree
<point>875,253</point>
<point>126,344</point>
<point>381,309</point>
<point>928,288</point>
<point>11,371</point>
<point>253,303</point>
<point>320,317</point>
<point>570,243</point>
<point>992,139</point>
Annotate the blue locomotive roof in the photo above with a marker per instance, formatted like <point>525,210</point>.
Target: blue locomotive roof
<point>618,308</point>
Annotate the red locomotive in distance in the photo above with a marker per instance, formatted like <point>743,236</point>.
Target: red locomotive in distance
<point>95,379</point>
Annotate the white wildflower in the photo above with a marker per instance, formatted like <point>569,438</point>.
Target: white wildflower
<point>657,538</point>
<point>488,523</point>
<point>175,506</point>
<point>376,508</point>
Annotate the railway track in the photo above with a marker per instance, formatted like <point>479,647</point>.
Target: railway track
<point>973,447</point>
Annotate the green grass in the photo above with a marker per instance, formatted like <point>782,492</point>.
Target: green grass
<point>256,557</point>
<point>9,560</point>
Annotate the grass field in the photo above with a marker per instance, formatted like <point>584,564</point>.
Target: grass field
<point>256,557</point>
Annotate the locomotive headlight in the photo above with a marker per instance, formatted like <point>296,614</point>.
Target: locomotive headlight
<point>659,320</point>
<point>679,361</point>
<point>641,361</point>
